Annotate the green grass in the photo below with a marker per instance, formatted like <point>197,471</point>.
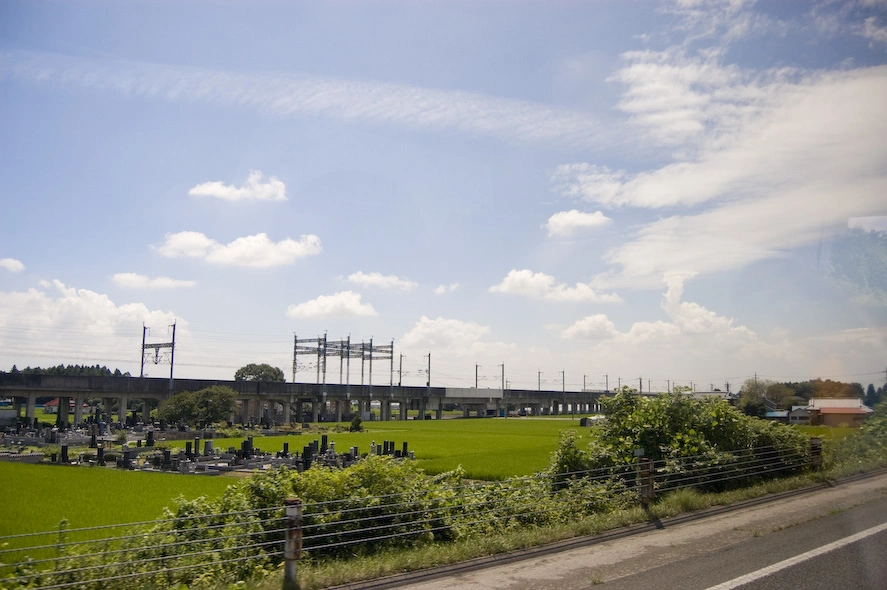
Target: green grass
<point>827,432</point>
<point>38,497</point>
<point>488,449</point>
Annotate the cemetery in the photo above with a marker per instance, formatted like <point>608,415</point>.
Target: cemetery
<point>147,450</point>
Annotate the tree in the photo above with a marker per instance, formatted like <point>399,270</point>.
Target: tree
<point>213,404</point>
<point>781,394</point>
<point>751,397</point>
<point>873,396</point>
<point>263,372</point>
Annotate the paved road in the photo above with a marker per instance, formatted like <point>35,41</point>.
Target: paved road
<point>718,550</point>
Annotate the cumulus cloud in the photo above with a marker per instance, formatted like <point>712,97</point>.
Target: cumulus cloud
<point>256,251</point>
<point>131,280</point>
<point>61,324</point>
<point>443,289</point>
<point>566,223</point>
<point>444,333</point>
<point>254,189</point>
<point>542,286</point>
<point>691,327</point>
<point>343,304</point>
<point>593,327</point>
<point>11,264</point>
<point>376,279</point>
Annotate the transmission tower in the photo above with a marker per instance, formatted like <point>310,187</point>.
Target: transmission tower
<point>156,357</point>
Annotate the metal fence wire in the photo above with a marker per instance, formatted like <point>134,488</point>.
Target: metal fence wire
<point>237,545</point>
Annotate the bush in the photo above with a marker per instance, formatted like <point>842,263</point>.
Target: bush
<point>684,435</point>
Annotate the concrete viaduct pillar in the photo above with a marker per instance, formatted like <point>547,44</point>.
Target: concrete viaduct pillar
<point>31,410</point>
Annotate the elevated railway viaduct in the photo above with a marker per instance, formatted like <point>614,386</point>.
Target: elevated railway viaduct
<point>290,402</point>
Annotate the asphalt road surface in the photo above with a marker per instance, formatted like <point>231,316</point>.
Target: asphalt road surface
<point>832,538</point>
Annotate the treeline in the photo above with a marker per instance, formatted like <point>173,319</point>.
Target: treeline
<point>785,395</point>
<point>77,370</point>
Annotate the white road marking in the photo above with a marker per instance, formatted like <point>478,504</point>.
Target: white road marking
<point>772,569</point>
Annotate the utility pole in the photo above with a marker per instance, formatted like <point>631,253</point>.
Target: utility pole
<point>476,368</point>
<point>649,387</point>
<point>172,354</point>
<point>400,372</point>
<point>583,381</point>
<point>668,382</point>
<point>145,331</point>
<point>640,385</point>
<point>428,383</point>
<point>539,381</point>
<point>607,382</point>
<point>619,383</point>
<point>503,377</point>
<point>348,362</point>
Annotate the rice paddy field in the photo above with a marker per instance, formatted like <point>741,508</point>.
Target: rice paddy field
<point>488,449</point>
<point>39,496</point>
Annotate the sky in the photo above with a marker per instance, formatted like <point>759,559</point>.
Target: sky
<point>571,194</point>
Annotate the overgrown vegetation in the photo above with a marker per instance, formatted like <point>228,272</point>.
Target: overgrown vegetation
<point>199,408</point>
<point>447,517</point>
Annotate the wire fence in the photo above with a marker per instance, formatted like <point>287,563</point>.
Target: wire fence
<point>241,544</point>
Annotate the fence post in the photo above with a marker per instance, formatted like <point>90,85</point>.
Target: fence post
<point>292,549</point>
<point>816,453</point>
<point>645,481</point>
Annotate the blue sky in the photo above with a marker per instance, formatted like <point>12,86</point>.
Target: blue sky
<point>591,190</point>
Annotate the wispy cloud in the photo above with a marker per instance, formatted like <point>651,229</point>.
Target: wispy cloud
<point>567,223</point>
<point>131,280</point>
<point>11,264</point>
<point>376,279</point>
<point>542,286</point>
<point>818,146</point>
<point>352,101</point>
<point>256,251</point>
<point>254,189</point>
<point>443,289</point>
<point>343,304</point>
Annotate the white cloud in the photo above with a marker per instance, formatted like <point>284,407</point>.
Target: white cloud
<point>343,304</point>
<point>131,280</point>
<point>874,31</point>
<point>254,251</point>
<point>871,223</point>
<point>443,289</point>
<point>254,189</point>
<point>11,264</point>
<point>687,318</point>
<point>542,286</point>
<point>593,327</point>
<point>444,333</point>
<point>814,147</point>
<point>58,324</point>
<point>376,279</point>
<point>566,223</point>
<point>351,101</point>
<point>589,182</point>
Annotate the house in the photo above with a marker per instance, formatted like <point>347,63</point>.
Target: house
<point>778,416</point>
<point>838,411</point>
<point>799,415</point>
